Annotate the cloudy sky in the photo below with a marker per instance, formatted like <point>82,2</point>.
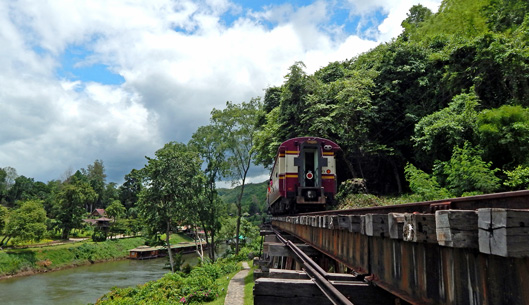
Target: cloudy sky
<point>114,80</point>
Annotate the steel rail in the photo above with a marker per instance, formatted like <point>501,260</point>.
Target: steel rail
<point>511,200</point>
<point>316,273</point>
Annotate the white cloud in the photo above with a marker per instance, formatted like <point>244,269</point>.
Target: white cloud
<point>179,59</point>
<point>395,10</point>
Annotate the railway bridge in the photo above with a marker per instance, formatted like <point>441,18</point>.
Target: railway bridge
<point>470,250</point>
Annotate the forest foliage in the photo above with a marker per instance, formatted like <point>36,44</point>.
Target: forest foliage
<point>442,110</point>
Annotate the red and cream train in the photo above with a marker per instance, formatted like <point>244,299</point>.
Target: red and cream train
<point>303,178</point>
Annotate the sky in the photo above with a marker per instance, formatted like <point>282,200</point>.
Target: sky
<point>112,80</point>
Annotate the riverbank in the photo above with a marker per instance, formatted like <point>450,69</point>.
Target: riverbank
<point>21,262</point>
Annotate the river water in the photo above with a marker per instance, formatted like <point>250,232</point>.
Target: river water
<point>81,285</point>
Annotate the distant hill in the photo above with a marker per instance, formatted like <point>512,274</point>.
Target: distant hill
<point>253,199</point>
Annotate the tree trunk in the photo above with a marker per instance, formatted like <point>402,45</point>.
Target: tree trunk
<point>212,246</point>
<point>198,243</point>
<point>239,207</point>
<point>65,233</point>
<point>238,229</point>
<point>6,241</point>
<point>397,176</point>
<point>349,166</point>
<point>168,243</point>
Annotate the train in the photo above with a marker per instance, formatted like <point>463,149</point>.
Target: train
<point>303,178</point>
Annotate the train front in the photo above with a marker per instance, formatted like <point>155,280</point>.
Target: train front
<point>304,176</point>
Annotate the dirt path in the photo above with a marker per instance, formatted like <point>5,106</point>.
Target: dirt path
<point>235,294</point>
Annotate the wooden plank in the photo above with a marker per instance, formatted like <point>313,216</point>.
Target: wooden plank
<point>344,222</point>
<point>287,274</point>
<point>334,224</point>
<point>303,291</point>
<point>504,232</point>
<point>376,225</point>
<point>363,224</point>
<point>314,221</point>
<point>271,238</point>
<point>356,223</point>
<point>457,228</point>
<point>279,249</point>
<point>395,225</point>
<point>320,221</point>
<point>265,232</point>
<point>419,228</point>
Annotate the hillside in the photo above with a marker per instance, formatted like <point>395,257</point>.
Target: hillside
<point>253,199</point>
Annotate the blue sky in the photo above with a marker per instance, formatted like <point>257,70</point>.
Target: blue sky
<point>116,80</point>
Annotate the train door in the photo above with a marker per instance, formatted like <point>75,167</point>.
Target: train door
<point>311,168</point>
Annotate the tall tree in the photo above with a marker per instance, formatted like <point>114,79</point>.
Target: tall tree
<point>130,189</point>
<point>70,207</point>
<point>207,141</point>
<point>170,181</point>
<point>3,218</point>
<point>3,185</point>
<point>96,177</point>
<point>237,123</point>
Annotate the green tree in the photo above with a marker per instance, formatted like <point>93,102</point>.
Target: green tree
<point>438,133</point>
<point>110,194</point>
<point>115,210</point>
<point>170,179</point>
<point>95,173</point>
<point>415,17</point>
<point>342,111</point>
<point>292,103</point>
<point>424,185</point>
<point>518,178</point>
<point>267,139</point>
<point>130,189</point>
<point>22,189</point>
<point>503,15</point>
<point>3,185</point>
<point>3,218</point>
<point>466,172</point>
<point>504,135</point>
<point>207,141</point>
<point>237,123</point>
<point>26,223</point>
<point>70,209</point>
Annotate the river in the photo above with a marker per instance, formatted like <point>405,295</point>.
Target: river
<point>81,285</point>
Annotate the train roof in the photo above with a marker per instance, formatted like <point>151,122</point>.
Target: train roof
<point>293,143</point>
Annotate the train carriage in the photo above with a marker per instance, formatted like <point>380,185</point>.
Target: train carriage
<point>303,177</point>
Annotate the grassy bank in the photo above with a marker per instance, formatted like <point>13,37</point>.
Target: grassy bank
<point>34,260</point>
<point>204,283</point>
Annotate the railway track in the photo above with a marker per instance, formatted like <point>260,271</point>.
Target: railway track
<point>505,200</point>
<point>469,250</point>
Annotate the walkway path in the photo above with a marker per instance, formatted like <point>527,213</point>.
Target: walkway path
<point>235,294</point>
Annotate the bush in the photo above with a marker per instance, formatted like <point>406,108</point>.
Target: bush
<point>517,179</point>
